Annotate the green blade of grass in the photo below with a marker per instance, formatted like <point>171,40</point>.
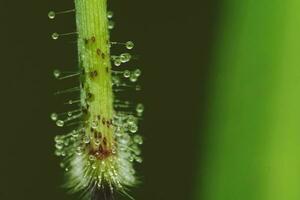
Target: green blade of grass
<point>253,144</point>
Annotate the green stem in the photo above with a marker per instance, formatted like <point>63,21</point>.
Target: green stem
<point>94,56</point>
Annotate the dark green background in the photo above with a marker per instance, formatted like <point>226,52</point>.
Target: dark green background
<point>173,41</point>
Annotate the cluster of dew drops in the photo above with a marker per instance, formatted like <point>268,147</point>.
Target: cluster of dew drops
<point>125,120</point>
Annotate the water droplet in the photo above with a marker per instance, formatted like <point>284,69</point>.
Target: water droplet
<point>56,73</point>
<point>57,152</point>
<point>129,45</point>
<point>140,108</point>
<point>51,15</point>
<point>59,139</point>
<point>55,36</point>
<point>137,72</point>
<point>126,73</point>
<point>125,57</point>
<point>133,78</point>
<point>59,146</point>
<point>138,159</point>
<point>86,139</point>
<point>133,128</point>
<point>54,116</point>
<point>117,62</point>
<point>62,165</point>
<point>130,119</point>
<point>138,139</point>
<point>66,169</point>
<point>111,25</point>
<point>70,113</point>
<point>60,123</point>
<point>110,14</point>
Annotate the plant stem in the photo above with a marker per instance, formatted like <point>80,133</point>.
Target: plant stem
<point>94,57</point>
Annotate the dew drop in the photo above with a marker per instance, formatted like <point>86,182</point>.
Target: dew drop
<point>129,45</point>
<point>130,119</point>
<point>54,116</point>
<point>125,57</point>
<point>137,72</point>
<point>133,128</point>
<point>133,78</point>
<point>55,36</point>
<point>60,123</point>
<point>110,14</point>
<point>66,169</point>
<point>62,165</point>
<point>51,15</point>
<point>57,153</point>
<point>139,159</point>
<point>138,139</point>
<point>111,25</point>
<point>126,73</point>
<point>59,146</point>
<point>140,108</point>
<point>117,62</point>
<point>56,73</point>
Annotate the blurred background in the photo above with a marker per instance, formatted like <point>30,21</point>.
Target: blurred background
<point>220,86</point>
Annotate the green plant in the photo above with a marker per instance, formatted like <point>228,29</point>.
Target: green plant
<point>98,154</point>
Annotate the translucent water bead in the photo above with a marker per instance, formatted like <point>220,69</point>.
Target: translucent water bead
<point>51,14</point>
<point>129,45</point>
<point>137,72</point>
<point>54,116</point>
<point>56,73</point>
<point>60,123</point>
<point>133,128</point>
<point>125,57</point>
<point>110,14</point>
<point>111,25</point>
<point>140,108</point>
<point>55,36</point>
<point>126,73</point>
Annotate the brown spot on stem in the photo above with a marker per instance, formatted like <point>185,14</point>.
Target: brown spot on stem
<point>99,52</point>
<point>93,74</point>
